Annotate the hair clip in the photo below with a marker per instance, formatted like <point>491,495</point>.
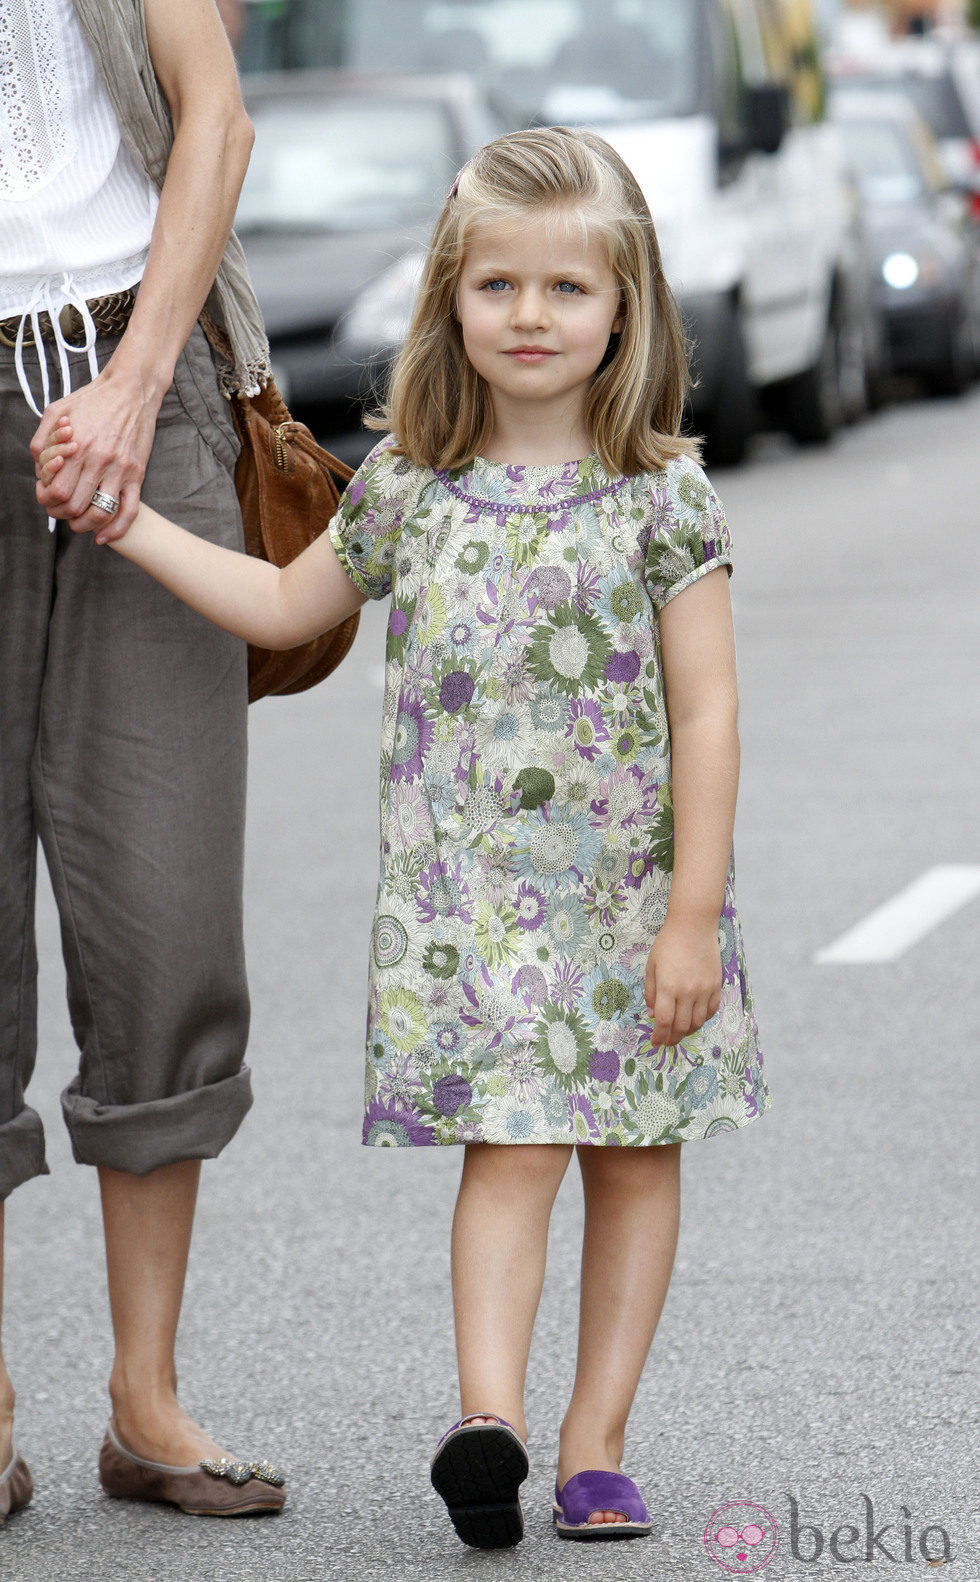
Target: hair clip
<point>455,186</point>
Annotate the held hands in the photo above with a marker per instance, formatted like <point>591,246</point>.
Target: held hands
<point>57,453</point>
<point>111,427</point>
<point>683,979</point>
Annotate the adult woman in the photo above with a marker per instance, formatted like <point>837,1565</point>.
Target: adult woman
<point>123,144</point>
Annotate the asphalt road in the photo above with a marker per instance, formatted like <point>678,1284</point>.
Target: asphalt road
<point>819,1341</point>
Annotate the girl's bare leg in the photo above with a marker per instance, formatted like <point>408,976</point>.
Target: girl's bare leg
<point>500,1240</point>
<point>6,1388</point>
<point>148,1221</point>
<point>632,1210</point>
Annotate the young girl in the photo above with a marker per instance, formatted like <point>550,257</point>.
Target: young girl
<point>556,960</point>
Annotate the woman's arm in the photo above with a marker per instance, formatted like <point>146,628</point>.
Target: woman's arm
<point>245,596</point>
<point>683,980</point>
<point>114,417</point>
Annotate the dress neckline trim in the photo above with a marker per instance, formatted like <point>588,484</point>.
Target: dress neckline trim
<point>549,469</point>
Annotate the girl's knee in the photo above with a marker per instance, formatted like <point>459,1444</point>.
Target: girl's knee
<point>524,1167</point>
<point>628,1167</point>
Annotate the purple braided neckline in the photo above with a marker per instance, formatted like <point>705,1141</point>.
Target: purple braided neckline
<point>531,510</point>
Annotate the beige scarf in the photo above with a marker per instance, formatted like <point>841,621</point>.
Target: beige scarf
<point>116,33</point>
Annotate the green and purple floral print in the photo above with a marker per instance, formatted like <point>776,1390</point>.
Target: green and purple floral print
<point>526,821</point>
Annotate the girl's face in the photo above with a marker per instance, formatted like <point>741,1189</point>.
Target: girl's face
<point>536,303</point>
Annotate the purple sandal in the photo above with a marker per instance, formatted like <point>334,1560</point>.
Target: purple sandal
<point>478,1469</point>
<point>588,1492</point>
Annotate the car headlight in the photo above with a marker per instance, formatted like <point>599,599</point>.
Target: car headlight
<point>902,270</point>
<point>380,315</point>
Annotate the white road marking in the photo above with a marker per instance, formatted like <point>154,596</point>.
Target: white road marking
<point>911,914</point>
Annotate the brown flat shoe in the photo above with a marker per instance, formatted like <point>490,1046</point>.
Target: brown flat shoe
<point>16,1487</point>
<point>211,1488</point>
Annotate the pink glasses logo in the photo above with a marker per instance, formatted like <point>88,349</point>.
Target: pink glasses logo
<point>741,1537</point>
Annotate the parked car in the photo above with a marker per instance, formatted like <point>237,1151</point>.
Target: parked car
<point>718,107</point>
<point>922,247</point>
<point>347,174</point>
<point>942,79</point>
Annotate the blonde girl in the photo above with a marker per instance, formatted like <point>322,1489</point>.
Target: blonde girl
<point>556,961</point>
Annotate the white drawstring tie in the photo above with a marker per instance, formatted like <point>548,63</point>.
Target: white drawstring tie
<point>43,301</point>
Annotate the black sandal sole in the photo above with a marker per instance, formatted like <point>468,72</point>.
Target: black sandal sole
<point>478,1473</point>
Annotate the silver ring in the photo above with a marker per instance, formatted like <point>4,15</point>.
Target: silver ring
<point>105,502</point>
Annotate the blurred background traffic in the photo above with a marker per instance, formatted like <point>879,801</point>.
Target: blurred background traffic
<point>813,169</point>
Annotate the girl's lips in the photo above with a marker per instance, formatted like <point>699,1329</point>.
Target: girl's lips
<point>530,354</point>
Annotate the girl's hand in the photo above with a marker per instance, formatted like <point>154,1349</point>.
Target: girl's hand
<point>683,979</point>
<point>57,448</point>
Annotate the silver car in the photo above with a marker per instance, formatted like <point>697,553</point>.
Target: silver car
<point>922,248</point>
<point>348,172</point>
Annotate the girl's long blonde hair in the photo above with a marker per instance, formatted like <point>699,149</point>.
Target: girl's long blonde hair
<point>438,407</point>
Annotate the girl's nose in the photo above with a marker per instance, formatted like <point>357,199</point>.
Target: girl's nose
<point>530,311</point>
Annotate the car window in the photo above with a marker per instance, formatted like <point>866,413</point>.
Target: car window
<point>726,68</point>
<point>934,96</point>
<point>345,164</point>
<point>779,44</point>
<point>884,163</point>
<point>546,60</point>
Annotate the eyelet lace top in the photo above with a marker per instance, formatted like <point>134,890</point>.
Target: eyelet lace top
<point>37,136</point>
<point>76,211</point>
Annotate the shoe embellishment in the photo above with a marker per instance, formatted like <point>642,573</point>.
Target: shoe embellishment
<point>239,1472</point>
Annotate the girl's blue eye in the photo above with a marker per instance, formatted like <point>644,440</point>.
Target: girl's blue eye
<point>568,286</point>
<point>495,285</point>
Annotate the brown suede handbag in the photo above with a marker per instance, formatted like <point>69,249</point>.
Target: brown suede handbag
<point>288,488</point>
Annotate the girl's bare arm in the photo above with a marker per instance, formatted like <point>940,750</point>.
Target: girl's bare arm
<point>247,597</point>
<point>683,981</point>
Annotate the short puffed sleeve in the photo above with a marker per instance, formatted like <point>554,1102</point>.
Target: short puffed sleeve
<point>368,523</point>
<point>688,534</point>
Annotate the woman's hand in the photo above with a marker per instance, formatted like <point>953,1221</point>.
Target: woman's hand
<point>683,979</point>
<point>113,422</point>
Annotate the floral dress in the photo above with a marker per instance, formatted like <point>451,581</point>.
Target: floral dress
<point>526,820</point>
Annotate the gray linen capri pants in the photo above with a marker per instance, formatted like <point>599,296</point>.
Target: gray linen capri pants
<point>122,745</point>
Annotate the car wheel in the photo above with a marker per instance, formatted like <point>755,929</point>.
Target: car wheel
<point>810,406</point>
<point>731,422</point>
<point>952,372</point>
<point>857,355</point>
<point>876,382</point>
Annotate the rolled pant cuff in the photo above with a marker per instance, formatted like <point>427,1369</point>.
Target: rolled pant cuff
<point>139,1138</point>
<point>21,1151</point>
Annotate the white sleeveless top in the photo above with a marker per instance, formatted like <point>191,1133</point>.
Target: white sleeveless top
<point>72,197</point>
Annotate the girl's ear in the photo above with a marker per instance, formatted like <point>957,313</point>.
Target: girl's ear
<point>612,347</point>
<point>619,322</point>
